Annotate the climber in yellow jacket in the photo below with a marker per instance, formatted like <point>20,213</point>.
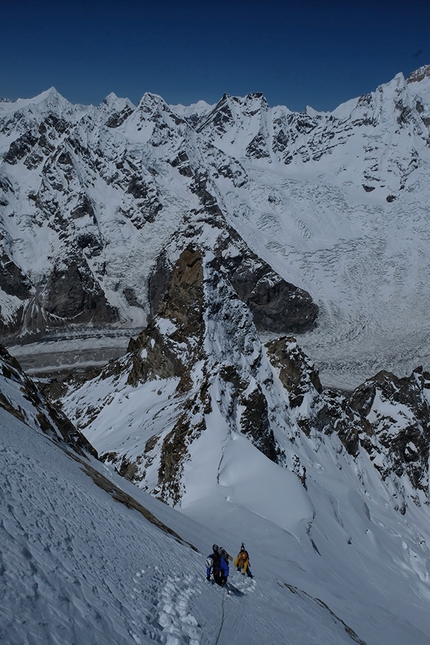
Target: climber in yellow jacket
<point>242,561</point>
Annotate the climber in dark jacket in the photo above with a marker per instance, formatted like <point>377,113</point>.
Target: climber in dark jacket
<point>217,564</point>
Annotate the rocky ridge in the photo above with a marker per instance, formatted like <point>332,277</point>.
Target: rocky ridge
<point>21,398</point>
<point>200,364</point>
<point>57,165</point>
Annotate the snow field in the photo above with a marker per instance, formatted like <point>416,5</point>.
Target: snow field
<point>78,567</point>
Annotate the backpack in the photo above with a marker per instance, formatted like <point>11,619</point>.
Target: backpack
<point>213,561</point>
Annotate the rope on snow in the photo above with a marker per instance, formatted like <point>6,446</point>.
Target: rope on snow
<point>222,617</point>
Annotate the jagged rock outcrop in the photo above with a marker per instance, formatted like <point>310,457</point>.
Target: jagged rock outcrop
<point>387,417</point>
<point>276,305</point>
<point>23,399</point>
<point>397,411</point>
<point>202,340</point>
<point>205,373</point>
<point>157,354</point>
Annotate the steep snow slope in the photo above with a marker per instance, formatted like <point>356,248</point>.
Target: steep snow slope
<point>83,560</point>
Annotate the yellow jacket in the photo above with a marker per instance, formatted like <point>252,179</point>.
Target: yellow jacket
<point>242,561</point>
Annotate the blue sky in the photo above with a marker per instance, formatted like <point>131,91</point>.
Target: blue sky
<point>298,53</point>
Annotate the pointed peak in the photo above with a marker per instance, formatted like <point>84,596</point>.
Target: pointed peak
<point>152,103</point>
<point>110,98</point>
<point>152,99</point>
<point>51,94</point>
<point>397,82</point>
<point>310,111</point>
<point>50,99</point>
<point>113,102</point>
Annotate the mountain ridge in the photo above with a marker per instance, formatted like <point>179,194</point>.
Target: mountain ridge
<point>90,190</point>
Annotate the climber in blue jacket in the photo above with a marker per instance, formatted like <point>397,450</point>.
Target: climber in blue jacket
<point>217,565</point>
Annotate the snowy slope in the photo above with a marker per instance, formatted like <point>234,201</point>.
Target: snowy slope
<point>86,557</point>
<point>82,559</point>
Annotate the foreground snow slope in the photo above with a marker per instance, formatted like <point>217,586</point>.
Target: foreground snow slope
<point>340,540</point>
<point>79,567</point>
<point>86,557</point>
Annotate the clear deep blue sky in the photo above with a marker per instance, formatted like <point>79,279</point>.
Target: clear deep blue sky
<point>310,52</point>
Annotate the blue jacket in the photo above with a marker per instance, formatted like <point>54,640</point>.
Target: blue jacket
<point>222,566</point>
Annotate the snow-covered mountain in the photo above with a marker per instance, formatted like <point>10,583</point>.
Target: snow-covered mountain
<point>219,232</point>
<point>88,557</point>
<point>198,378</point>
<point>96,200</point>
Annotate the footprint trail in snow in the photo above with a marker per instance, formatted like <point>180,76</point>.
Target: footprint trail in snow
<point>169,620</point>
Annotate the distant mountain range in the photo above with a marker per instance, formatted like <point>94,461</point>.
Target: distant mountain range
<point>323,215</point>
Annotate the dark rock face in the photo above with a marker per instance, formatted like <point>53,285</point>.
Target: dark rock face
<point>12,279</point>
<point>72,294</point>
<point>117,119</point>
<point>254,423</point>
<point>20,148</point>
<point>403,436</point>
<point>296,373</point>
<point>276,305</point>
<point>158,283</point>
<point>279,306</point>
<point>182,304</point>
<point>83,208</point>
<point>69,296</point>
<point>336,416</point>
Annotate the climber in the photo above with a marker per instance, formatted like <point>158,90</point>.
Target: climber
<point>242,561</point>
<point>217,564</point>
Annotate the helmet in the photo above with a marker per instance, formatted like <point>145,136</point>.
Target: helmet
<point>215,547</point>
